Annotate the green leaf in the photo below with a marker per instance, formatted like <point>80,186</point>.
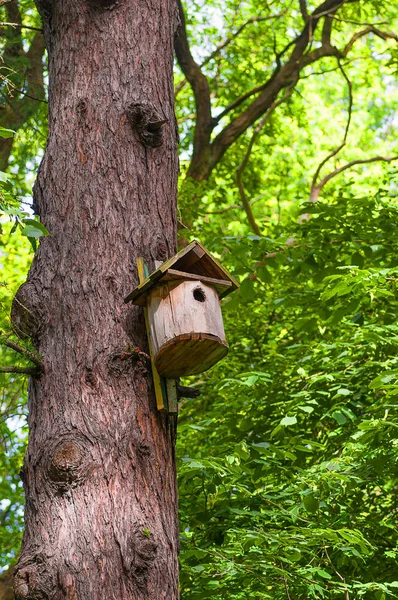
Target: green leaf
<point>344,392</point>
<point>6,133</point>
<point>339,417</point>
<point>311,504</point>
<point>34,229</point>
<point>323,574</point>
<point>288,421</point>
<point>307,409</point>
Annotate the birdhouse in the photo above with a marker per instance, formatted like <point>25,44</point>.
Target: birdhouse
<point>184,318</point>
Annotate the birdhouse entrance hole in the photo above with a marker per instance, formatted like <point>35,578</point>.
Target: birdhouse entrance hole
<point>199,294</point>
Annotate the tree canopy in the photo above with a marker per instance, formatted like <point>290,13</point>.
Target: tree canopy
<point>288,460</point>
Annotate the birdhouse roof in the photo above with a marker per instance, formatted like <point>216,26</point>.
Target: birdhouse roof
<point>192,263</point>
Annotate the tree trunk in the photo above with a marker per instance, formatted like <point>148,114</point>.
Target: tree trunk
<point>99,473</point>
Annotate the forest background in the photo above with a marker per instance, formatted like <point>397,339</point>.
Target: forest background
<point>288,460</point>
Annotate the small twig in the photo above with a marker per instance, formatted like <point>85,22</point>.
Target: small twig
<point>26,94</point>
<point>33,371</point>
<point>347,596</point>
<point>232,206</point>
<point>314,186</point>
<point>359,22</point>
<point>24,351</point>
<point>239,101</point>
<point>325,71</point>
<point>223,210</point>
<point>286,586</point>
<point>242,166</point>
<point>19,26</point>
<point>135,353</point>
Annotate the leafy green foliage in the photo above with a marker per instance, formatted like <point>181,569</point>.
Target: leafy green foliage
<point>31,228</point>
<point>15,257</point>
<point>288,475</point>
<point>11,207</point>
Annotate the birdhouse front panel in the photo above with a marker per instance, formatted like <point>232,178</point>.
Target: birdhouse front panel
<point>186,327</point>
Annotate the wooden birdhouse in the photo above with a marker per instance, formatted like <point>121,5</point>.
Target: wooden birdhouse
<point>184,319</point>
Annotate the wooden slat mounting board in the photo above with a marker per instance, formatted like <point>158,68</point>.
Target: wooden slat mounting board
<point>165,389</point>
<point>161,395</point>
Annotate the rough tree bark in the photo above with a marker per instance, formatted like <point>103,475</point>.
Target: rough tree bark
<point>99,473</point>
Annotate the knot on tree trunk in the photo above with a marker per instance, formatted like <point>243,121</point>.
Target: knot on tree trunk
<point>24,314</point>
<point>31,581</point>
<point>144,554</point>
<point>67,463</point>
<point>81,107</point>
<point>129,362</point>
<point>102,4</point>
<point>147,122</point>
<point>161,250</point>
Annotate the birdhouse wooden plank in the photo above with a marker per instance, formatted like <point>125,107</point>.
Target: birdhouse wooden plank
<point>192,260</point>
<point>185,325</point>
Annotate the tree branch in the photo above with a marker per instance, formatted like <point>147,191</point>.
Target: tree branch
<point>316,188</point>
<point>384,35</point>
<point>303,10</point>
<point>327,30</point>
<point>233,206</point>
<point>283,77</point>
<point>350,164</point>
<point>201,90</point>
<point>207,154</point>
<point>13,45</point>
<point>13,12</point>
